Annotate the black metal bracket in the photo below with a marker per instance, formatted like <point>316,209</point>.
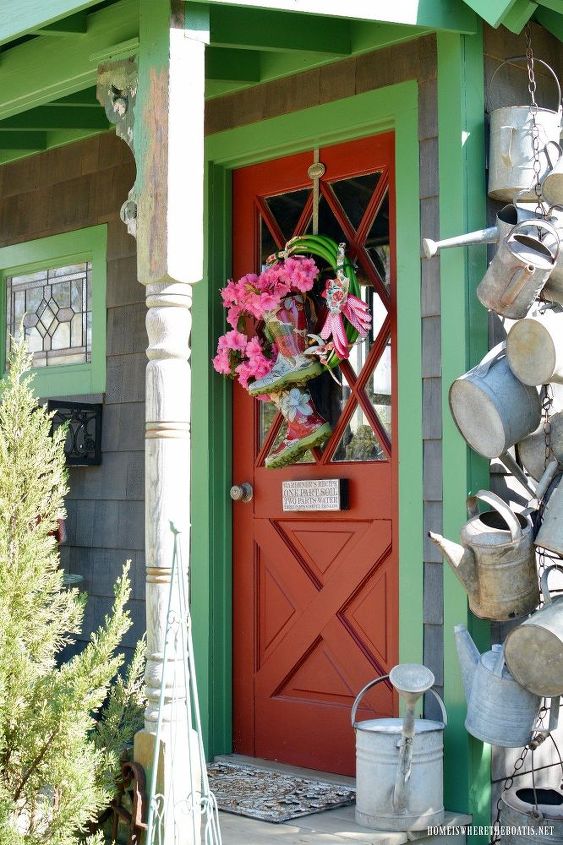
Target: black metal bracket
<point>83,446</point>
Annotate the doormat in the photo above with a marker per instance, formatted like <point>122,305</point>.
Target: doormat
<point>273,796</point>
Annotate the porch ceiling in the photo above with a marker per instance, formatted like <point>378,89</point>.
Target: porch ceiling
<point>50,49</point>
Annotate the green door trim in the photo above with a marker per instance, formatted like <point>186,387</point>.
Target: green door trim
<point>464,341</point>
<point>392,108</point>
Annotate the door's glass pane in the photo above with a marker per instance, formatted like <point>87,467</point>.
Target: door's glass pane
<point>287,209</point>
<point>354,195</point>
<point>328,224</point>
<point>267,412</point>
<point>267,243</point>
<point>377,243</point>
<point>358,441</point>
<point>378,389</point>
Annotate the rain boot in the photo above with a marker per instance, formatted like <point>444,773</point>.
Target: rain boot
<point>287,327</point>
<point>305,427</point>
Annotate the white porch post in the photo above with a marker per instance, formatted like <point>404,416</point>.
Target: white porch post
<point>165,210</point>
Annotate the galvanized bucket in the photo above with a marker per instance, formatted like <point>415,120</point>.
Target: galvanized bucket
<point>534,348</point>
<point>531,815</point>
<point>499,710</point>
<point>378,749</point>
<point>511,153</point>
<point>552,186</point>
<point>534,650</point>
<point>493,409</point>
<point>519,270</point>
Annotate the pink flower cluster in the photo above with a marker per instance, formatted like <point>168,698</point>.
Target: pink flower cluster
<point>239,356</point>
<point>255,296</point>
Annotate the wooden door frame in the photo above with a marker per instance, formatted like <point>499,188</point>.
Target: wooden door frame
<point>394,108</point>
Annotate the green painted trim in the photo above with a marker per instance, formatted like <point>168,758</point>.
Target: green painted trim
<point>44,69</point>
<point>551,20</point>
<point>35,14</point>
<point>77,23</point>
<point>89,244</point>
<point>43,118</point>
<point>394,107</point>
<point>464,341</point>
<point>492,11</point>
<point>518,15</point>
<point>450,15</point>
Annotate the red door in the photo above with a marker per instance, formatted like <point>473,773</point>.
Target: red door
<point>316,595</point>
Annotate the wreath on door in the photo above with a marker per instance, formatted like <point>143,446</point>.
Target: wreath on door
<point>283,334</point>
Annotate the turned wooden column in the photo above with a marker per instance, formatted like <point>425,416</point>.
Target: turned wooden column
<point>157,103</point>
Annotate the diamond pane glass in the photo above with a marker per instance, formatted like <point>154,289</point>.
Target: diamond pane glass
<point>328,224</point>
<point>267,243</point>
<point>52,304</point>
<point>287,209</point>
<point>359,441</point>
<point>378,389</point>
<point>354,195</point>
<point>377,243</point>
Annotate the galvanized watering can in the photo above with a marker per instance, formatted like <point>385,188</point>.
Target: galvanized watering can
<point>534,348</point>
<point>491,407</point>
<point>534,650</point>
<point>520,269</point>
<point>531,815</point>
<point>399,762</point>
<point>499,710</point>
<point>506,219</point>
<point>511,153</point>
<point>531,450</point>
<point>496,561</point>
<point>550,535</point>
<point>552,186</point>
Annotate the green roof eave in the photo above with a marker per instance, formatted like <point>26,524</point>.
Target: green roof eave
<point>25,18</point>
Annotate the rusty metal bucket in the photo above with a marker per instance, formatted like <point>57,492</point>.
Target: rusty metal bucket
<point>511,152</point>
<point>519,270</point>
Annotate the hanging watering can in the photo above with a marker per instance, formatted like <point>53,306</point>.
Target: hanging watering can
<point>511,152</point>
<point>534,650</point>
<point>399,762</point>
<point>529,815</point>
<point>491,407</point>
<point>552,185</point>
<point>531,450</point>
<point>534,348</point>
<point>550,535</point>
<point>519,270</point>
<point>499,710</point>
<point>496,561</point>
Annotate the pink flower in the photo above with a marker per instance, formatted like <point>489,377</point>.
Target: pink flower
<point>301,272</point>
<point>234,340</point>
<point>244,373</point>
<point>221,363</point>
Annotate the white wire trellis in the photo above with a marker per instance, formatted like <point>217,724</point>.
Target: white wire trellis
<point>170,814</point>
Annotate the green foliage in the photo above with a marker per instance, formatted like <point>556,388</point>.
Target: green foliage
<point>50,765</point>
<point>121,718</point>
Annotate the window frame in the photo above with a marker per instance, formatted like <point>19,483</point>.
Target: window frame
<point>75,247</point>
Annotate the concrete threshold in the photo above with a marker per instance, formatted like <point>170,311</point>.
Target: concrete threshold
<point>331,827</point>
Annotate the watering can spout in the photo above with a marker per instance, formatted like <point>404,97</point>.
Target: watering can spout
<point>461,560</point>
<point>468,655</point>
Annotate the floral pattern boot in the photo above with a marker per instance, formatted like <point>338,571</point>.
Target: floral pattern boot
<point>305,427</point>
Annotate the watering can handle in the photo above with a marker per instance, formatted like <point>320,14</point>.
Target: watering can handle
<point>538,224</point>
<point>361,694</point>
<point>559,150</point>
<point>523,59</point>
<point>371,684</point>
<point>500,507</point>
<point>544,579</point>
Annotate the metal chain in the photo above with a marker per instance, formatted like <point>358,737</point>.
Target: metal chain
<point>540,210</point>
<point>537,738</point>
<point>547,404</point>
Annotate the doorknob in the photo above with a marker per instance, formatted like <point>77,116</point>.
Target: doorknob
<point>241,492</point>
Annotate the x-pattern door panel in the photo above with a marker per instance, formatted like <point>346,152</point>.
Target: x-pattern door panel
<point>315,594</point>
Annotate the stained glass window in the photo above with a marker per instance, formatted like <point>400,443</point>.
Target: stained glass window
<point>56,308</point>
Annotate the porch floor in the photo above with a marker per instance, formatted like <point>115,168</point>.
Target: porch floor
<point>331,827</point>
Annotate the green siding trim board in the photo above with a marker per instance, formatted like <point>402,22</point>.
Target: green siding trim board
<point>464,323</point>
<point>394,107</point>
<point>88,244</point>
